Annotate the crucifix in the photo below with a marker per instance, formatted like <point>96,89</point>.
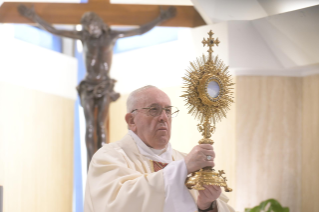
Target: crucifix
<point>96,90</point>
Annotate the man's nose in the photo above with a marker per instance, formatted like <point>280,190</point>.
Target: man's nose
<point>163,115</point>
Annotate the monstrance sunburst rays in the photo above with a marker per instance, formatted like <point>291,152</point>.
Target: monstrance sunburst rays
<point>204,69</point>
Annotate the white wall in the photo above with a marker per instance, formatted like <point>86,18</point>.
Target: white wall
<point>161,65</point>
<point>34,67</point>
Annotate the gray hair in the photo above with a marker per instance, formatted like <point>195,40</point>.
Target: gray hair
<point>133,97</point>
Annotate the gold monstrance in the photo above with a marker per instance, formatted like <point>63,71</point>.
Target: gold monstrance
<point>208,97</point>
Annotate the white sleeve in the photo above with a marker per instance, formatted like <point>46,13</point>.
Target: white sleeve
<point>222,205</point>
<point>178,198</point>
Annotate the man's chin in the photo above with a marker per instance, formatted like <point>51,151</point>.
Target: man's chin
<point>162,140</point>
<point>163,135</point>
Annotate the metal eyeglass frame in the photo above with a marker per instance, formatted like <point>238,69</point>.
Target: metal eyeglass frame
<point>172,115</point>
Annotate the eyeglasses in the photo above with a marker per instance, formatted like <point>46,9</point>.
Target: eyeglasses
<point>157,110</point>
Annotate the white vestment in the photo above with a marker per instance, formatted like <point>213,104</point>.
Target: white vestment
<point>121,179</point>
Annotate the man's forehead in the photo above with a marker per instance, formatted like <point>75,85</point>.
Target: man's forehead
<point>153,96</point>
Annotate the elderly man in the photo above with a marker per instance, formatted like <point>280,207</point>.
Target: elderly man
<point>142,173</point>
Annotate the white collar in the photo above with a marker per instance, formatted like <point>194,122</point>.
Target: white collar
<point>162,155</point>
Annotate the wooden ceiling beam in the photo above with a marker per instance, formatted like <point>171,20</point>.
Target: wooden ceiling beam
<point>112,14</point>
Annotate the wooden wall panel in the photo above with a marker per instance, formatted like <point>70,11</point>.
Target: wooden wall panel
<point>36,137</point>
<point>310,144</point>
<point>269,133</point>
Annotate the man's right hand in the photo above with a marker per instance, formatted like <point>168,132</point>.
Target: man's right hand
<point>197,158</point>
<point>26,12</point>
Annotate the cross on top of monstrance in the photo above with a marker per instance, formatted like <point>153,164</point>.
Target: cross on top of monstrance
<point>210,43</point>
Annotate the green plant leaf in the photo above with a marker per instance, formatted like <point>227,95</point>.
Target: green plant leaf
<point>286,209</point>
<point>255,209</point>
<point>273,207</point>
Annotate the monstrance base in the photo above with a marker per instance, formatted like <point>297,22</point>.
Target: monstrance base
<point>207,176</point>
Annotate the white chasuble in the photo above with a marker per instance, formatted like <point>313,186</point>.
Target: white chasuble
<point>121,179</point>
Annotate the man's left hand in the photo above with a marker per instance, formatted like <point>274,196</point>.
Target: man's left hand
<point>207,196</point>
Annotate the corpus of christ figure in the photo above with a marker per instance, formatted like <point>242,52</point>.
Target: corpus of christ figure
<point>96,90</point>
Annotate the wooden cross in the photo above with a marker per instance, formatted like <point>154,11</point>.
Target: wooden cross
<point>210,43</point>
<point>112,14</point>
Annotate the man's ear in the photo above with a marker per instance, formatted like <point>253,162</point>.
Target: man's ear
<point>129,118</point>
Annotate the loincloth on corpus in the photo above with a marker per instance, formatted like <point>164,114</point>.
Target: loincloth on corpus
<point>93,90</point>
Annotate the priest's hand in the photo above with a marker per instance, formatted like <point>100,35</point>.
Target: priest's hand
<point>197,158</point>
<point>207,196</point>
